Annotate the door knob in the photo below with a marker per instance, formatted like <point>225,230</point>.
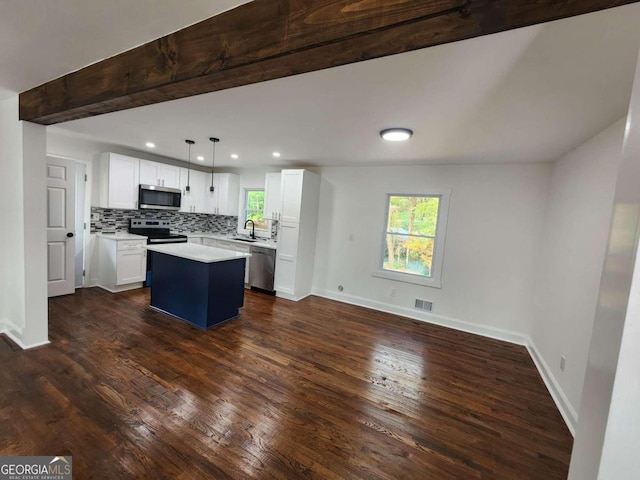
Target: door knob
<point>70,234</point>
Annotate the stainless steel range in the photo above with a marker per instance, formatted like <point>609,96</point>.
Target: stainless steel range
<point>157,231</point>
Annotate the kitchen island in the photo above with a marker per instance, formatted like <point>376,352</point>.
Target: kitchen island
<point>201,285</point>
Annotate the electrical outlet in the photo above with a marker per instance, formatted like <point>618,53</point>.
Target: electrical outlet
<point>563,362</point>
<point>95,217</point>
<point>392,293</point>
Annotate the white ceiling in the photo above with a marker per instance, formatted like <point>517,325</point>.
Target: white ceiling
<point>525,95</point>
<point>44,39</point>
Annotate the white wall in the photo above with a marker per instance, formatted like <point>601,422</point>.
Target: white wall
<point>494,224</point>
<point>572,254</point>
<point>608,435</point>
<point>23,278</point>
<point>12,238</point>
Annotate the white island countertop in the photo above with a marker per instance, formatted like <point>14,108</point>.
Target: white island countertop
<point>199,253</point>
<point>261,242</point>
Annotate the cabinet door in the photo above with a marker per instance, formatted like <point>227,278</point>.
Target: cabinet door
<point>198,186</point>
<point>272,186</point>
<point>123,181</point>
<point>211,198</point>
<point>186,203</point>
<point>291,195</point>
<point>149,174</point>
<point>169,175</point>
<point>286,258</point>
<point>209,242</point>
<point>131,266</point>
<point>228,189</point>
<point>237,248</point>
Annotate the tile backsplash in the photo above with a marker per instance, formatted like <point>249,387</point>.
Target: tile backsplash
<point>115,219</point>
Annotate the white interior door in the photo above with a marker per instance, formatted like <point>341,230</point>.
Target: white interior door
<point>61,195</point>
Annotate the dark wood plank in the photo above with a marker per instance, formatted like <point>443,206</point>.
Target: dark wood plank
<point>314,389</point>
<point>269,39</point>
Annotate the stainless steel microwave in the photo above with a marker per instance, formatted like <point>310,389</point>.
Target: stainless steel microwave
<point>153,197</point>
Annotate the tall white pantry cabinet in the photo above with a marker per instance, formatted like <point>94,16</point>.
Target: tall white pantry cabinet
<point>300,193</point>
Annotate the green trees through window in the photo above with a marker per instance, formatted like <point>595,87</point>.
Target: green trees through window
<point>254,208</point>
<point>410,235</point>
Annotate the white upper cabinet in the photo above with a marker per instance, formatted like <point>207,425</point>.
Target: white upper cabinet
<point>272,203</point>
<point>291,195</point>
<point>228,190</point>
<point>153,173</point>
<point>199,188</point>
<point>117,181</point>
<point>224,198</point>
<point>193,201</point>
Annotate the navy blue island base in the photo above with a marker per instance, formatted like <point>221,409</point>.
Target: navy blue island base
<point>204,294</point>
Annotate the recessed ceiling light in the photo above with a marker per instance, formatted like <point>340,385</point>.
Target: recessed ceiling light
<point>150,145</point>
<point>234,156</point>
<point>276,154</point>
<point>396,134</point>
<point>200,157</point>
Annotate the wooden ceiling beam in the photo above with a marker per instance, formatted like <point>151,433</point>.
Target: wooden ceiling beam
<point>269,39</point>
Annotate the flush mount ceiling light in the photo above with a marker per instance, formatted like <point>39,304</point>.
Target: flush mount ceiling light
<point>396,134</point>
<point>234,156</point>
<point>276,154</point>
<point>200,157</point>
<point>150,145</point>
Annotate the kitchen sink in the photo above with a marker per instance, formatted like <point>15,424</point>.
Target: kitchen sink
<point>250,240</point>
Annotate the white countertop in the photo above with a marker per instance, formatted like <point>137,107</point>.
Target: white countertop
<point>199,253</point>
<point>266,243</point>
<point>120,236</point>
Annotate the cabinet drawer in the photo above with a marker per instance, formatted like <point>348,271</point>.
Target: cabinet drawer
<point>130,244</point>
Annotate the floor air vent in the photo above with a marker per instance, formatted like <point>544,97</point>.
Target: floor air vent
<point>424,304</point>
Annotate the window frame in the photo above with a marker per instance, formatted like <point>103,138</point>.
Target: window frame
<point>435,280</point>
<point>242,218</point>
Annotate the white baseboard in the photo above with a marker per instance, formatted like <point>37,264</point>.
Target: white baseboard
<point>288,296</point>
<point>15,334</point>
<point>122,288</point>
<point>567,411</point>
<point>562,402</point>
<point>491,332</point>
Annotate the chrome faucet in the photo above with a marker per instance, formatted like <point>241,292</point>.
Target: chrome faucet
<point>253,228</point>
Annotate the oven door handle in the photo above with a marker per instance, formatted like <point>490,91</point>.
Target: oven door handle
<point>166,240</point>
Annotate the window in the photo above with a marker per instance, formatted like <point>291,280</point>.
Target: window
<point>413,238</point>
<point>254,210</point>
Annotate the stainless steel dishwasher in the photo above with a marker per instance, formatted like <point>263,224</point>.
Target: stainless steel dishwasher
<point>262,267</point>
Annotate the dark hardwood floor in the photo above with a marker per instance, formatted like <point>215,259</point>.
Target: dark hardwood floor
<point>314,389</point>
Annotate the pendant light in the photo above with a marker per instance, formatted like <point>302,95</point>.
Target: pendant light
<point>214,140</point>
<point>188,187</point>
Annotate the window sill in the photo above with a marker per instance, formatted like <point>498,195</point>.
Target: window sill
<point>408,278</point>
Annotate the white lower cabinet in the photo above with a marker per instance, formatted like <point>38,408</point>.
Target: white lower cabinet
<point>214,242</point>
<point>286,258</point>
<point>122,263</point>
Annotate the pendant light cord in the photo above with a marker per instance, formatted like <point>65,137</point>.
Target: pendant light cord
<point>214,140</point>
<point>189,142</point>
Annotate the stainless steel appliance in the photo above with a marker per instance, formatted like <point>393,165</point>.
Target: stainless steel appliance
<point>155,197</point>
<point>262,267</point>
<point>157,231</point>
